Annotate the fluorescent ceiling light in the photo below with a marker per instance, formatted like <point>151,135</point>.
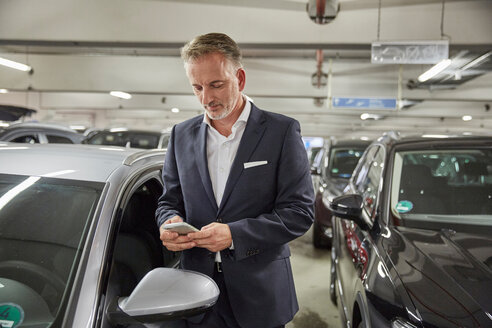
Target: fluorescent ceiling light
<point>467,118</point>
<point>442,136</point>
<point>16,65</point>
<point>121,94</point>
<point>118,129</point>
<point>4,91</point>
<point>477,61</point>
<point>364,138</point>
<point>367,116</point>
<point>175,110</point>
<point>434,70</point>
<point>467,133</point>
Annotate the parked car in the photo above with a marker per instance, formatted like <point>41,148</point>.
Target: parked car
<point>33,132</point>
<point>79,244</point>
<point>129,138</point>
<point>331,172</point>
<point>412,240</point>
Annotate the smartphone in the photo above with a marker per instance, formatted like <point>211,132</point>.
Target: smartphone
<point>180,227</point>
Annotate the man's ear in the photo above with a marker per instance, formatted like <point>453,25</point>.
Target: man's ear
<point>241,78</point>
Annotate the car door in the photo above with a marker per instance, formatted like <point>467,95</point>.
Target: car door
<point>354,244</point>
<point>137,248</point>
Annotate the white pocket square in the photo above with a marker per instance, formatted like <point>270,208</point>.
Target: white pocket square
<point>247,165</point>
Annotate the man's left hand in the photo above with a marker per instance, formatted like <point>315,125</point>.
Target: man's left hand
<point>214,237</point>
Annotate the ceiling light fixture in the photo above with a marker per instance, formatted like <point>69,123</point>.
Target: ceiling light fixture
<point>4,91</point>
<point>121,94</point>
<point>467,118</point>
<point>434,70</point>
<point>441,136</point>
<point>175,110</point>
<point>367,116</point>
<point>477,61</point>
<point>15,65</point>
<point>364,138</point>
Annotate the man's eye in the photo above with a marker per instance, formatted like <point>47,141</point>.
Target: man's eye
<point>197,88</point>
<point>216,86</point>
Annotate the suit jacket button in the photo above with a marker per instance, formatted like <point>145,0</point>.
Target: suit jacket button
<point>219,220</point>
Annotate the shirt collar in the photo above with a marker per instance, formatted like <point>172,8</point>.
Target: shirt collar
<point>243,117</point>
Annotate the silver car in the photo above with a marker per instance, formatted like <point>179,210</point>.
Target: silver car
<point>79,245</point>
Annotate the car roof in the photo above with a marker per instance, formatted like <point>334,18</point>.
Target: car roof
<point>38,125</point>
<point>396,139</point>
<point>67,161</point>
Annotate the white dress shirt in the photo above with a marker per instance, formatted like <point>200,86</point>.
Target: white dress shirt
<point>221,152</point>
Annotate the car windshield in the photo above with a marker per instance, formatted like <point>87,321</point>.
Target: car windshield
<point>343,162</point>
<point>43,226</point>
<point>443,188</point>
<point>146,140</point>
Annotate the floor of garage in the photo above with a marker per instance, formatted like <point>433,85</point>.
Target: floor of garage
<point>311,268</point>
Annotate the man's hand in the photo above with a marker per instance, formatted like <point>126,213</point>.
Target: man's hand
<point>214,237</point>
<point>172,240</point>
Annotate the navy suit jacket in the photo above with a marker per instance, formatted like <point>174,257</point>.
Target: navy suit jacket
<point>265,206</point>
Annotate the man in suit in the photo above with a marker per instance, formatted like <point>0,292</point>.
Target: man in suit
<point>241,176</point>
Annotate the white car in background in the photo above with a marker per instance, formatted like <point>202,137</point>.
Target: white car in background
<point>79,245</point>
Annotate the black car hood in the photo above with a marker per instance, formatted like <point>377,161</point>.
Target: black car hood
<point>448,275</point>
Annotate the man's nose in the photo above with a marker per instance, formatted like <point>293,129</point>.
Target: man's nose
<point>207,96</point>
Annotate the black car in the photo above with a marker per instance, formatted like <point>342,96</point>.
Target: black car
<point>331,172</point>
<point>131,138</point>
<point>413,235</point>
<point>34,132</point>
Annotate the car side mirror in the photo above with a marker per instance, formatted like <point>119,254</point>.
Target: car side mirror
<point>165,294</point>
<point>349,207</point>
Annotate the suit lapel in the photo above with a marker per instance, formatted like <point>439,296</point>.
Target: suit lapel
<point>253,132</point>
<point>200,139</point>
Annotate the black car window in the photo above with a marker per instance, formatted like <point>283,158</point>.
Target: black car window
<point>58,139</point>
<point>343,161</point>
<point>362,169</point>
<point>442,188</point>
<point>30,138</point>
<point>369,186</point>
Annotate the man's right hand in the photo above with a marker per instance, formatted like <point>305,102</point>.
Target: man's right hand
<point>172,240</point>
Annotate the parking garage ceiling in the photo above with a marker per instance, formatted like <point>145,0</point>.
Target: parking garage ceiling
<point>79,51</point>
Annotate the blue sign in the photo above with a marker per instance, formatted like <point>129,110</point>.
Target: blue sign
<point>364,103</point>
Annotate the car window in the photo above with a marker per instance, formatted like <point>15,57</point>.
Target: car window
<point>362,169</point>
<point>43,226</point>
<point>146,140</point>
<point>58,139</point>
<point>30,138</point>
<point>438,188</point>
<point>138,248</point>
<point>342,162</point>
<point>369,186</point>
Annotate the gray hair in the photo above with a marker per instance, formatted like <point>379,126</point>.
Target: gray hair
<point>212,43</point>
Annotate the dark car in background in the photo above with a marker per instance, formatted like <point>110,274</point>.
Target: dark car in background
<point>33,132</point>
<point>412,243</point>
<point>131,138</point>
<point>331,172</point>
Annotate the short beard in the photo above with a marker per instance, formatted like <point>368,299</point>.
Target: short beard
<point>221,116</point>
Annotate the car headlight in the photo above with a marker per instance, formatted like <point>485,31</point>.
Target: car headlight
<point>400,323</point>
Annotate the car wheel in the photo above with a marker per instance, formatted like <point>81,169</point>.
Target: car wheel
<point>319,239</point>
